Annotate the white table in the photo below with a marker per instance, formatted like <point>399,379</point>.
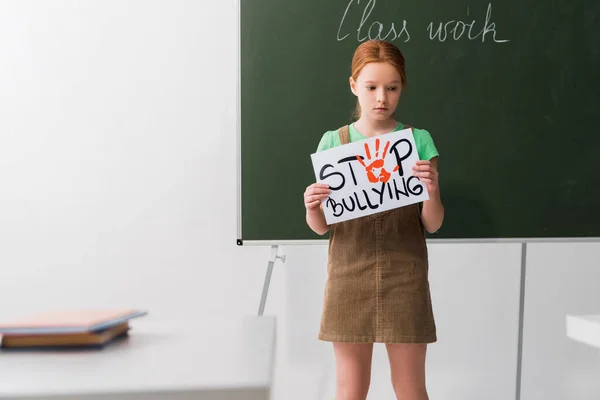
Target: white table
<point>584,329</point>
<point>204,360</point>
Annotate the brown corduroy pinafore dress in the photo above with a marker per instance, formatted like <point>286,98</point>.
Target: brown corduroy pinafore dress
<point>377,287</point>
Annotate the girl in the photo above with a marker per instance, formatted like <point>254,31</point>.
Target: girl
<point>377,287</point>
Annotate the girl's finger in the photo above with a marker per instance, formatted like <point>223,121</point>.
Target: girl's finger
<point>320,185</point>
<point>312,192</point>
<point>313,204</point>
<point>424,174</point>
<point>316,197</point>
<point>422,168</point>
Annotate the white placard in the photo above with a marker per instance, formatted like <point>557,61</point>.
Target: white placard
<point>369,176</point>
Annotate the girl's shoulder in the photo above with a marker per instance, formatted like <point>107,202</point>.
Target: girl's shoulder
<point>421,134</point>
<point>329,140</point>
<point>425,144</point>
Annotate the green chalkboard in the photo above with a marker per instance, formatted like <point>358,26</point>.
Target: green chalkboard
<point>510,92</point>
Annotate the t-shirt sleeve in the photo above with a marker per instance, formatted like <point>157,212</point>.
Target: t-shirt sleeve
<point>425,145</point>
<point>326,142</point>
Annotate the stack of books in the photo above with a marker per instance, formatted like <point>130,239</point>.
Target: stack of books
<point>68,329</point>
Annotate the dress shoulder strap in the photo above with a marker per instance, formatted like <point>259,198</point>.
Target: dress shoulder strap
<point>344,135</point>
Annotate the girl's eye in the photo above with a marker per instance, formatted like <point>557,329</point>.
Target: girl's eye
<point>370,87</point>
<point>393,88</point>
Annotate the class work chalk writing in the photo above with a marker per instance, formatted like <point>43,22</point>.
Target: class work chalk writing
<point>453,29</point>
<point>369,176</point>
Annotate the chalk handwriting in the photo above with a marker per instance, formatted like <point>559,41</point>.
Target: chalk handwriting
<point>376,28</point>
<point>458,28</point>
<point>442,31</point>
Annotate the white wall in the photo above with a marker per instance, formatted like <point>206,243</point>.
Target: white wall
<point>117,188</point>
<point>562,279</point>
<point>117,161</point>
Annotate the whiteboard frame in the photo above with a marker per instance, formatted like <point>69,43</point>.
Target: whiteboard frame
<point>238,119</point>
<point>324,242</point>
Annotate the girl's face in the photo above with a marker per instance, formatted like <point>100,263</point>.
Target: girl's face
<point>378,88</point>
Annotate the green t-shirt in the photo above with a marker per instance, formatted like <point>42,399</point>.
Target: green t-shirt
<point>425,146</point>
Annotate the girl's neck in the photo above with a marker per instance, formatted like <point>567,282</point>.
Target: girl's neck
<point>371,128</point>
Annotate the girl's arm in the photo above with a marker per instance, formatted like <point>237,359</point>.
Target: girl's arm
<point>432,214</point>
<point>316,220</point>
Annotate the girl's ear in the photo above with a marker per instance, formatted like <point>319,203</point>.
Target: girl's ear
<point>353,86</point>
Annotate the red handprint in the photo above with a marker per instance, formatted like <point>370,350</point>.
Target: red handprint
<point>376,166</point>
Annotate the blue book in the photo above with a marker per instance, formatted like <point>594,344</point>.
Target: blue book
<point>69,321</point>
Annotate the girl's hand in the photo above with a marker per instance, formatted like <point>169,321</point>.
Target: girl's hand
<point>314,194</point>
<point>428,174</point>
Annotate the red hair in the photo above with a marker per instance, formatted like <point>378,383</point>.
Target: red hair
<point>377,51</point>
